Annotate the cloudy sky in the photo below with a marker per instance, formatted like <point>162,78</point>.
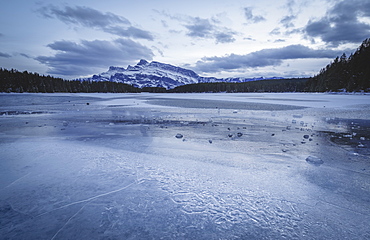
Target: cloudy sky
<point>288,38</point>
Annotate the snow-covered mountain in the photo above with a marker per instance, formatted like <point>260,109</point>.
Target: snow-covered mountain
<point>156,74</point>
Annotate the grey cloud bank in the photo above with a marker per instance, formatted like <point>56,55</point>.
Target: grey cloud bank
<point>262,58</point>
<point>89,56</point>
<point>88,17</point>
<point>84,16</point>
<point>342,23</point>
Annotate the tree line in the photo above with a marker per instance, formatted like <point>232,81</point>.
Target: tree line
<point>345,73</point>
<point>15,81</point>
<point>276,85</point>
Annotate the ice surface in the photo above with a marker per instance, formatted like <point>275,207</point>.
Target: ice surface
<point>109,166</point>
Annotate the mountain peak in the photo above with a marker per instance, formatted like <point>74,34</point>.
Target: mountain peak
<point>142,62</point>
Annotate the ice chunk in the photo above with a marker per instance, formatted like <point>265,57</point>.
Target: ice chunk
<point>314,160</point>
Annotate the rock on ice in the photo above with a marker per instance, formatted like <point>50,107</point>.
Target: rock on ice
<point>179,135</point>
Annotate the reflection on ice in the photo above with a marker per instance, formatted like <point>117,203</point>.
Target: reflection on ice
<point>353,133</point>
<point>185,168</point>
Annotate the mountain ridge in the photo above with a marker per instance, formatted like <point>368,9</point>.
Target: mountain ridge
<point>157,74</point>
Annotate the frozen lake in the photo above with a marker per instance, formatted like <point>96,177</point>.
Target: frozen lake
<point>184,166</point>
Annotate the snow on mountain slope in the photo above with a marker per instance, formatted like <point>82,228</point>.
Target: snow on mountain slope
<point>156,74</point>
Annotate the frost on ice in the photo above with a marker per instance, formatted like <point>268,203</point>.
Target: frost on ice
<point>253,166</point>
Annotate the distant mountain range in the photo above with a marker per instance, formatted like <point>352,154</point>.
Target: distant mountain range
<point>156,74</point>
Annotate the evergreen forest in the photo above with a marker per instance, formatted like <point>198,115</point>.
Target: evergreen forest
<point>276,85</point>
<point>351,74</point>
<point>15,81</point>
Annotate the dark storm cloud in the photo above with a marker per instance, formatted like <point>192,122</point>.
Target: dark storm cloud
<point>342,23</point>
<point>248,13</point>
<point>91,18</point>
<point>5,55</point>
<point>88,56</point>
<point>208,29</point>
<point>262,58</point>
